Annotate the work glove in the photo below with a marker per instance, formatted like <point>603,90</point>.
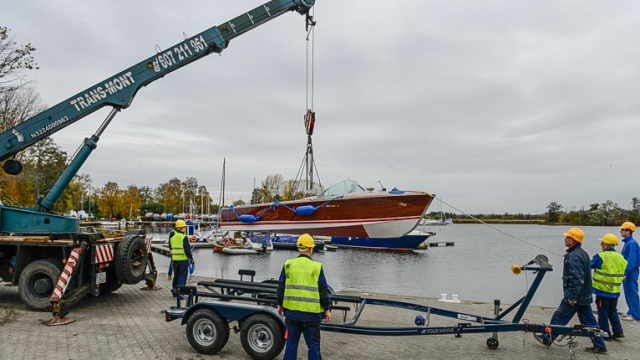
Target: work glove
<point>572,302</point>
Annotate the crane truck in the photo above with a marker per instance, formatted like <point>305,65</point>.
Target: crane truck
<point>45,253</point>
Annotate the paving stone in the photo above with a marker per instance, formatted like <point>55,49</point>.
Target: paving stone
<point>128,324</point>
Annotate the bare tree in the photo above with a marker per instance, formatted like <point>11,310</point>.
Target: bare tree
<point>14,59</point>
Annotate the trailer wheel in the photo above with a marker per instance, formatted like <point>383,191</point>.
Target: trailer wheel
<point>492,343</point>
<point>207,331</point>
<point>37,282</point>
<point>131,259</point>
<point>262,337</point>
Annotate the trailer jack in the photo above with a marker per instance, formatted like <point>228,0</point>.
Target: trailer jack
<point>58,319</point>
<point>151,276</point>
<point>59,306</point>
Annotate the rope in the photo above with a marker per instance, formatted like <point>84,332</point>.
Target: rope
<point>300,210</point>
<point>504,232</point>
<point>310,207</point>
<point>252,218</point>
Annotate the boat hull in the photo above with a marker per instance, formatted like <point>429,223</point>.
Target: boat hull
<point>238,251</point>
<point>402,243</point>
<point>378,214</point>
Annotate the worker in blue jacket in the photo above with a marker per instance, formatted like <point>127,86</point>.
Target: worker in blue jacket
<point>631,253</point>
<point>577,289</point>
<point>608,272</point>
<point>303,298</point>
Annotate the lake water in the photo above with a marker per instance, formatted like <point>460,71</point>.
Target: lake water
<point>477,267</point>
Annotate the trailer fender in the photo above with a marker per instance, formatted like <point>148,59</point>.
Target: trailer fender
<point>232,311</point>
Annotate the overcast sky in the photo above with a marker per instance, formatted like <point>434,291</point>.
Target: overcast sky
<point>495,106</point>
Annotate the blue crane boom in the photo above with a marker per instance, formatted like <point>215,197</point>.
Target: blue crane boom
<point>118,92</point>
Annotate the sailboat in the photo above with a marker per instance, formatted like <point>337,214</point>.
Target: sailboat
<point>425,224</point>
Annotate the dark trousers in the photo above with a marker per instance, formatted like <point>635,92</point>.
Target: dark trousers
<point>565,313</point>
<point>180,273</point>
<point>608,313</point>
<point>311,332</point>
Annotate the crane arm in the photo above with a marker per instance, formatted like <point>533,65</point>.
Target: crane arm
<point>119,90</point>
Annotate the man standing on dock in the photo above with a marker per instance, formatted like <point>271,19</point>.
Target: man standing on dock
<point>577,289</point>
<point>303,298</point>
<point>608,271</point>
<point>180,255</point>
<point>631,253</point>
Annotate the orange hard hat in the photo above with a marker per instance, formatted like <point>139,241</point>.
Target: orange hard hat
<point>576,234</point>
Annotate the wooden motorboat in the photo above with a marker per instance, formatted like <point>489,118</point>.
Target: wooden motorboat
<point>345,209</point>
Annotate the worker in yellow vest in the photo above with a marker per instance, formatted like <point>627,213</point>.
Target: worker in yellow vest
<point>608,273</point>
<point>180,255</point>
<point>303,298</point>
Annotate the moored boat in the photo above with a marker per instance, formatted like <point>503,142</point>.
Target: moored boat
<point>407,242</point>
<point>345,209</point>
<point>289,242</point>
<point>238,251</point>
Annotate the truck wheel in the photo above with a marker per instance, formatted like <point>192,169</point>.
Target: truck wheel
<point>207,331</point>
<point>131,259</point>
<point>37,282</point>
<point>262,337</point>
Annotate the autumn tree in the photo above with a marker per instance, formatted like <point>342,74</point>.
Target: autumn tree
<point>109,198</point>
<point>170,194</point>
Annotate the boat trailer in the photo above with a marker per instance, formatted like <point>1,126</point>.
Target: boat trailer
<point>208,315</point>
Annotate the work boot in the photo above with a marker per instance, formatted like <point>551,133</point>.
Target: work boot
<point>596,350</point>
<point>617,336</point>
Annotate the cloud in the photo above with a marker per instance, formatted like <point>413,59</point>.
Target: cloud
<point>495,106</point>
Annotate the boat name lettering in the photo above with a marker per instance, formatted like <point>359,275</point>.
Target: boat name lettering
<point>182,51</point>
<point>49,127</point>
<point>99,93</point>
<point>439,331</point>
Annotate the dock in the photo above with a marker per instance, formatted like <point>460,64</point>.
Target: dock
<point>440,243</point>
<point>163,249</point>
<point>428,244</point>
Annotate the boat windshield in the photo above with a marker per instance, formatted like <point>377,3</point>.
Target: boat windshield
<point>342,188</point>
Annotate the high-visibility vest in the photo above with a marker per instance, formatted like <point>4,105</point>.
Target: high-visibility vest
<point>609,277</point>
<point>177,247</point>
<point>301,285</point>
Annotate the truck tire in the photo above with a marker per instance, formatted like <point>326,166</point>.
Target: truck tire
<point>262,337</point>
<point>37,282</point>
<point>207,332</point>
<point>131,259</point>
